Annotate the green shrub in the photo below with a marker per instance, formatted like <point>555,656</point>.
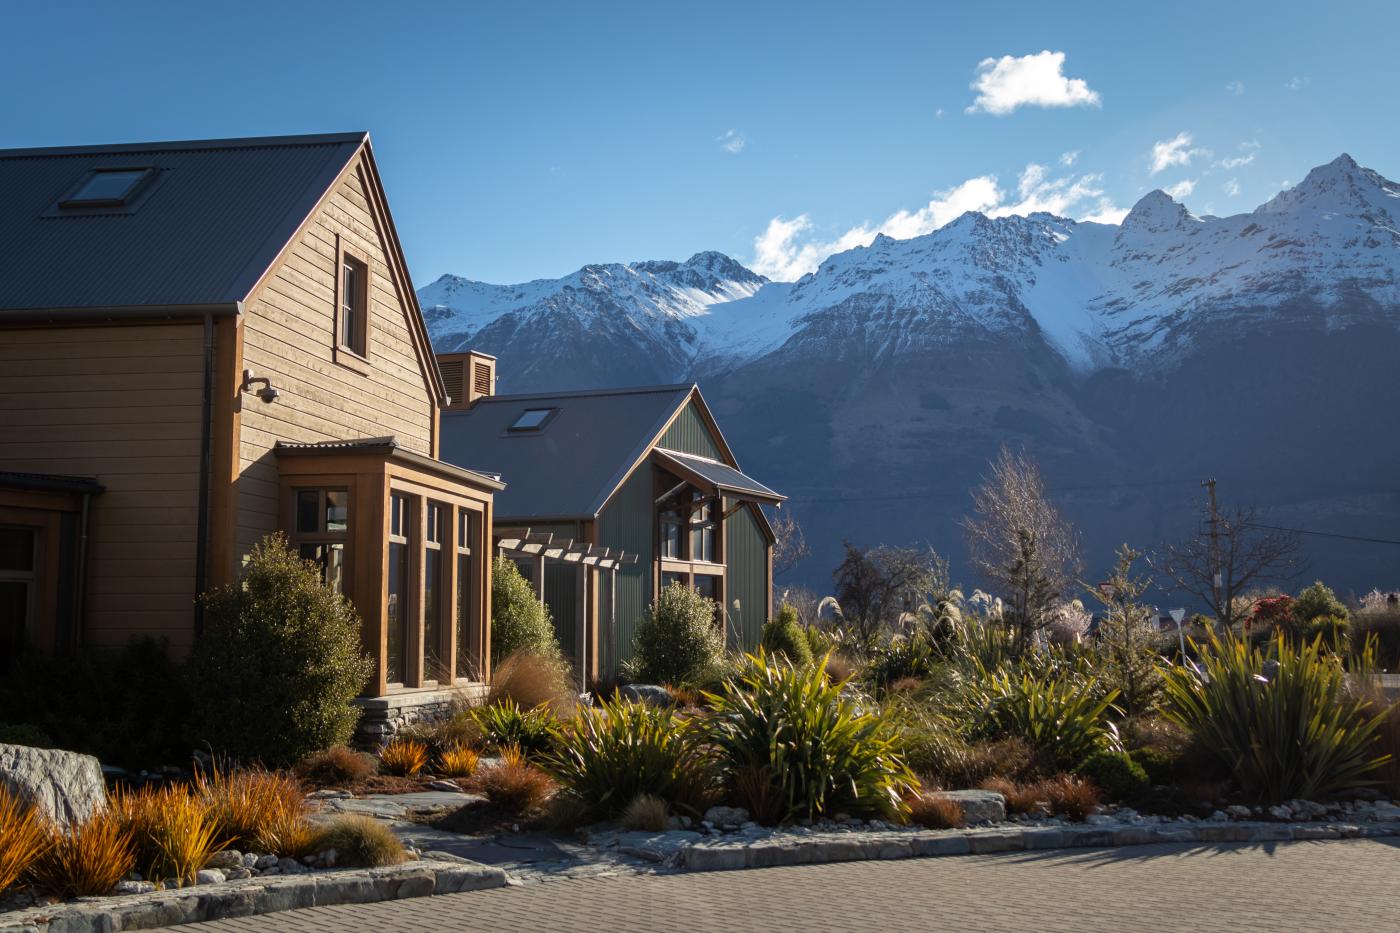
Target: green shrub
<point>519,621</point>
<point>900,659</point>
<point>1064,718</point>
<point>787,732</point>
<point>532,732</point>
<point>279,661</point>
<point>1284,730</point>
<point>678,641</point>
<point>614,754</point>
<point>783,635</point>
<point>1319,602</point>
<point>1161,765</point>
<point>1115,773</point>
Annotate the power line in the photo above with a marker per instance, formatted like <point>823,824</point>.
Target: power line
<point>1324,534</point>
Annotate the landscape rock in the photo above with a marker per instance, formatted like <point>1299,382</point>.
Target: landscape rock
<point>646,693</point>
<point>1237,811</point>
<point>210,876</point>
<point>228,858</point>
<point>726,816</point>
<point>65,786</point>
<point>444,785</point>
<point>978,806</point>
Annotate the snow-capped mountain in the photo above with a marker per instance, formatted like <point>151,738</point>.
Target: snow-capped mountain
<point>1132,360</point>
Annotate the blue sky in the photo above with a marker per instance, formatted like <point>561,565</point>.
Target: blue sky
<point>523,140</point>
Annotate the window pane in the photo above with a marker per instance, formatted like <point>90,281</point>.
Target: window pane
<point>464,530</point>
<point>707,585</point>
<point>308,511</point>
<point>397,508</point>
<point>331,558</point>
<point>467,628</point>
<point>17,549</point>
<point>670,534</point>
<point>531,418</point>
<point>434,523</point>
<point>432,613</point>
<point>668,577</point>
<point>396,614</point>
<point>108,186</point>
<point>14,616</point>
<point>337,509</point>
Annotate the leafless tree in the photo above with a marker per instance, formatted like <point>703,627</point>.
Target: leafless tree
<point>1019,542</point>
<point>790,546</point>
<point>876,586</point>
<point>1242,554</point>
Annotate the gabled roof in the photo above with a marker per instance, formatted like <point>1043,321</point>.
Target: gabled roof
<point>213,219</point>
<point>722,478</point>
<point>569,468</point>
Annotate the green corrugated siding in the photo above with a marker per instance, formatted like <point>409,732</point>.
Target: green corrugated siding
<point>689,434</point>
<point>561,596</point>
<point>626,524</point>
<point>746,552</point>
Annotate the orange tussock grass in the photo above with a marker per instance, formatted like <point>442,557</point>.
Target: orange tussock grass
<point>514,784</point>
<point>88,860</point>
<point>255,810</point>
<point>458,761</point>
<point>407,757</point>
<point>173,833</point>
<point>24,837</point>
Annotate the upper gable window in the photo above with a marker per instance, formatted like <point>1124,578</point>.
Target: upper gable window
<point>354,304</point>
<point>532,419</point>
<point>107,187</point>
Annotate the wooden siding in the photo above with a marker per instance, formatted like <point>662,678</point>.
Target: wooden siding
<point>289,337</point>
<point>626,524</point>
<point>123,404</point>
<point>746,553</point>
<point>689,434</point>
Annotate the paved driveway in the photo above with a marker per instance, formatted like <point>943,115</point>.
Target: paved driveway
<point>1350,885</point>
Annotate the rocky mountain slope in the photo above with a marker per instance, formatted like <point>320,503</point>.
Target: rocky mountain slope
<point>1132,359</point>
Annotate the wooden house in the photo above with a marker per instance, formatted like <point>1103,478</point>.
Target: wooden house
<point>611,495</point>
<point>205,342</point>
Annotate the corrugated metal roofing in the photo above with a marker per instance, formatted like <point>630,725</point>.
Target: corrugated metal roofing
<point>214,220</point>
<point>567,469</point>
<point>720,475</point>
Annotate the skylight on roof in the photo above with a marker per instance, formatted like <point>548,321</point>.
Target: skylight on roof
<point>107,187</point>
<point>532,419</point>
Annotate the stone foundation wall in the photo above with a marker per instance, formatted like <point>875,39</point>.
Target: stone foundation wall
<point>382,718</point>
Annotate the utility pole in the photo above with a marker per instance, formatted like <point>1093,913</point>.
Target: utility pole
<point>1214,544</point>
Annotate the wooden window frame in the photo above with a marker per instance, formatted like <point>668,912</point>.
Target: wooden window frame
<point>344,352</point>
<point>411,610</point>
<point>30,578</point>
<point>323,535</point>
<point>438,540</point>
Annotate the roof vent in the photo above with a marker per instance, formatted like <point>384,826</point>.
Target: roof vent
<point>467,377</point>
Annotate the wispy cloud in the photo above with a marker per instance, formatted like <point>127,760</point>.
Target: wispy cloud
<point>1236,161</point>
<point>790,248</point>
<point>938,113</point>
<point>1006,83</point>
<point>732,141</point>
<point>1069,158</point>
<point>1174,151</point>
<point>1235,87</point>
<point>1297,82</point>
<point>1181,189</point>
<point>1231,188</point>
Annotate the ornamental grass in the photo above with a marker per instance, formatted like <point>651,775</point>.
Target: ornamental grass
<point>514,784</point>
<point>458,761</point>
<point>173,833</point>
<point>257,810</point>
<point>24,837</point>
<point>360,841</point>
<point>405,757</point>
<point>87,860</point>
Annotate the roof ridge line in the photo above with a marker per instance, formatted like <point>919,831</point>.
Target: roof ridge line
<point>583,393</point>
<point>244,142</point>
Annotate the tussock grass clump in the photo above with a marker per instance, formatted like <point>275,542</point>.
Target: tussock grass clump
<point>338,764</point>
<point>458,761</point>
<point>360,841</point>
<point>174,835</point>
<point>514,784</point>
<point>24,837</point>
<point>646,813</point>
<point>262,811</point>
<point>1071,796</point>
<point>529,680</point>
<point>87,860</point>
<point>935,811</point>
<point>405,757</point>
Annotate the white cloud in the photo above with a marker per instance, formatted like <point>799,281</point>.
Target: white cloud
<point>1181,189</point>
<point>1175,151</point>
<point>732,141</point>
<point>1069,158</point>
<point>1003,84</point>
<point>1298,82</point>
<point>1231,188</point>
<point>787,249</point>
<point>1236,161</point>
<point>1235,87</point>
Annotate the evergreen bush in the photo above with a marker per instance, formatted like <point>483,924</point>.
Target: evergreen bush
<point>1115,773</point>
<point>783,635</point>
<point>519,621</point>
<point>678,642</point>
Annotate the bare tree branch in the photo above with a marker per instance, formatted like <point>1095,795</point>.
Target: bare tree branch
<point>790,547</point>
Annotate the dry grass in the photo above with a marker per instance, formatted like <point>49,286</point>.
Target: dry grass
<point>336,765</point>
<point>360,841</point>
<point>1072,796</point>
<point>86,861</point>
<point>458,761</point>
<point>407,757</point>
<point>173,832</point>
<point>1020,798</point>
<point>647,813</point>
<point>260,811</point>
<point>533,680</point>
<point>24,837</point>
<point>757,790</point>
<point>840,668</point>
<point>514,784</point>
<point>935,811</point>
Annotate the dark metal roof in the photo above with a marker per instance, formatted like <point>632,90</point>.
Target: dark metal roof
<point>569,468</point>
<point>211,223</point>
<point>390,447</point>
<point>721,477</point>
<point>50,482</point>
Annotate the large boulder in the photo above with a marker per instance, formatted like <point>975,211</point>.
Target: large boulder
<point>978,806</point>
<point>66,787</point>
<point>650,694</point>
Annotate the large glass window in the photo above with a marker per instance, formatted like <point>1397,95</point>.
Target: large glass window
<point>670,534</point>
<point>435,530</point>
<point>466,604</point>
<point>397,612</point>
<point>16,586</point>
<point>322,528</point>
<point>702,528</point>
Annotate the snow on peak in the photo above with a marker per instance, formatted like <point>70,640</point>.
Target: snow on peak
<point>1157,212</point>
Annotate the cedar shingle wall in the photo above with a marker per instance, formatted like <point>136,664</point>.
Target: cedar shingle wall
<point>121,403</point>
<point>288,336</point>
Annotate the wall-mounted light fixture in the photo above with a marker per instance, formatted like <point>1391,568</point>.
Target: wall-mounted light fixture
<point>267,393</point>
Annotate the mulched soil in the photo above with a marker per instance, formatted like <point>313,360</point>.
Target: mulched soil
<point>482,818</point>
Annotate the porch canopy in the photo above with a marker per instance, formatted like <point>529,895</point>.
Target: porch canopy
<point>715,478</point>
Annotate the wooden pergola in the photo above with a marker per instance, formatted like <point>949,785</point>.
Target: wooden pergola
<point>540,547</point>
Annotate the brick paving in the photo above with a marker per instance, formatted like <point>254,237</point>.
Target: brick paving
<point>1347,885</point>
